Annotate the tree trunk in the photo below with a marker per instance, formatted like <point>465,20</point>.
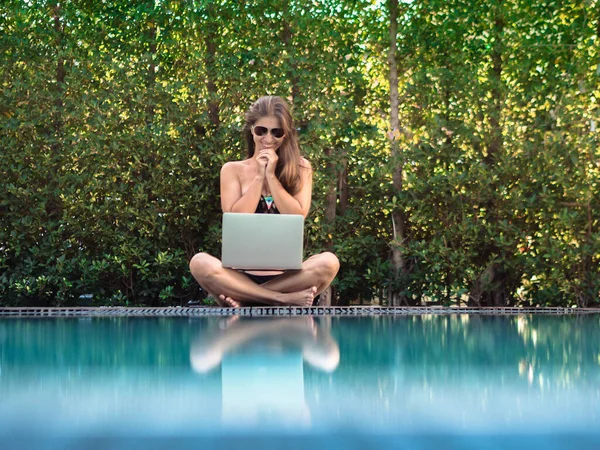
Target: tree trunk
<point>598,24</point>
<point>291,66</point>
<point>54,204</point>
<point>151,80</point>
<point>209,63</point>
<point>398,217</point>
<point>336,190</point>
<point>326,296</point>
<point>60,67</point>
<point>151,35</point>
<point>591,290</point>
<point>343,187</point>
<point>493,286</point>
<point>495,143</point>
<point>331,196</point>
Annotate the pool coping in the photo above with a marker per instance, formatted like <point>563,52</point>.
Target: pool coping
<point>109,311</point>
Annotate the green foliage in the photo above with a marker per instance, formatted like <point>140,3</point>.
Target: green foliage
<point>500,154</point>
<point>116,118</point>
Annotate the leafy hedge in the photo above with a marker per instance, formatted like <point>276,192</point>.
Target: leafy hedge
<point>115,120</point>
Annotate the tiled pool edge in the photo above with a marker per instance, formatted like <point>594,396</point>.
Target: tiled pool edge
<point>278,311</point>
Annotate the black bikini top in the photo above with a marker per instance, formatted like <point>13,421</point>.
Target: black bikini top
<point>266,205</point>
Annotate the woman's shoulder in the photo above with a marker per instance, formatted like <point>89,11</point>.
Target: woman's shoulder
<point>234,166</point>
<point>305,163</point>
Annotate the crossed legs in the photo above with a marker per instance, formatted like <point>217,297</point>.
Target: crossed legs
<point>297,288</point>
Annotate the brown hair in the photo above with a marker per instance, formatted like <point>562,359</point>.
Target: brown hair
<point>287,170</point>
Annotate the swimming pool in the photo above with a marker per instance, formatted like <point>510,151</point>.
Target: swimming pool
<point>424,381</point>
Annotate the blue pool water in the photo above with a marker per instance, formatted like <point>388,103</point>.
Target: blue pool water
<point>410,381</point>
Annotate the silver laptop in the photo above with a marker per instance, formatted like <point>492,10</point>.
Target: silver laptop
<point>262,241</point>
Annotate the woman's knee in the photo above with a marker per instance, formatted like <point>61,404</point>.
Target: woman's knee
<point>330,263</point>
<point>204,265</point>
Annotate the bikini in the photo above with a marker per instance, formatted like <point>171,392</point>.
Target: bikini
<point>266,205</point>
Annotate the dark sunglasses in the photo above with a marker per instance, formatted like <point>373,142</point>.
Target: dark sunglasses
<point>277,133</point>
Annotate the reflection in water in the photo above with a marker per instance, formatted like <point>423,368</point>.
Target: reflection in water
<point>395,375</point>
<point>262,373</point>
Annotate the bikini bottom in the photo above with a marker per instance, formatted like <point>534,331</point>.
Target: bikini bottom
<point>259,279</point>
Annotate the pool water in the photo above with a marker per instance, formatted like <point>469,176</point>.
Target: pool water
<point>407,381</point>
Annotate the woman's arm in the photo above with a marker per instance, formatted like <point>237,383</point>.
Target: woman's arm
<point>293,204</point>
<point>232,199</point>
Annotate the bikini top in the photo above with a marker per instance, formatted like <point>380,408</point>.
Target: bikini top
<point>266,205</point>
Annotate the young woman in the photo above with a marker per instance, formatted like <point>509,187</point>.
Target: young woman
<point>274,179</point>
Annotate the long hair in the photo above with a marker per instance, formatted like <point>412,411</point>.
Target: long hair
<point>287,169</point>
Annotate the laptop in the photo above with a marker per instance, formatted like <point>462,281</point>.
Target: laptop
<point>262,241</point>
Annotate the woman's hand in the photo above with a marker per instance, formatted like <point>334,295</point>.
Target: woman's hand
<point>267,158</point>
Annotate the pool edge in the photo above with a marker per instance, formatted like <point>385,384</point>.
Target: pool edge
<point>279,311</point>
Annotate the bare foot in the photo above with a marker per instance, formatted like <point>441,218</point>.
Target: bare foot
<point>219,301</point>
<point>228,301</point>
<point>301,298</point>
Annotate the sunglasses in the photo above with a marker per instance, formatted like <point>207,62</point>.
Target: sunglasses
<point>277,133</point>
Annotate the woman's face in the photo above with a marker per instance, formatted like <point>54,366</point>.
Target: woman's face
<point>269,127</point>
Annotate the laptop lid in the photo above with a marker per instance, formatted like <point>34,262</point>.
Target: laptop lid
<point>262,241</point>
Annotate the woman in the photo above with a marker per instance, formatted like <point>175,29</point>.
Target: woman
<point>273,179</point>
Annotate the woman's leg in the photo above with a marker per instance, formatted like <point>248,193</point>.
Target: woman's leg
<point>207,353</point>
<point>318,270</point>
<point>217,280</point>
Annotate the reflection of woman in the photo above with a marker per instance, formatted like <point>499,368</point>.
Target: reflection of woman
<point>316,344</point>
<point>262,370</point>
<point>273,179</point>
